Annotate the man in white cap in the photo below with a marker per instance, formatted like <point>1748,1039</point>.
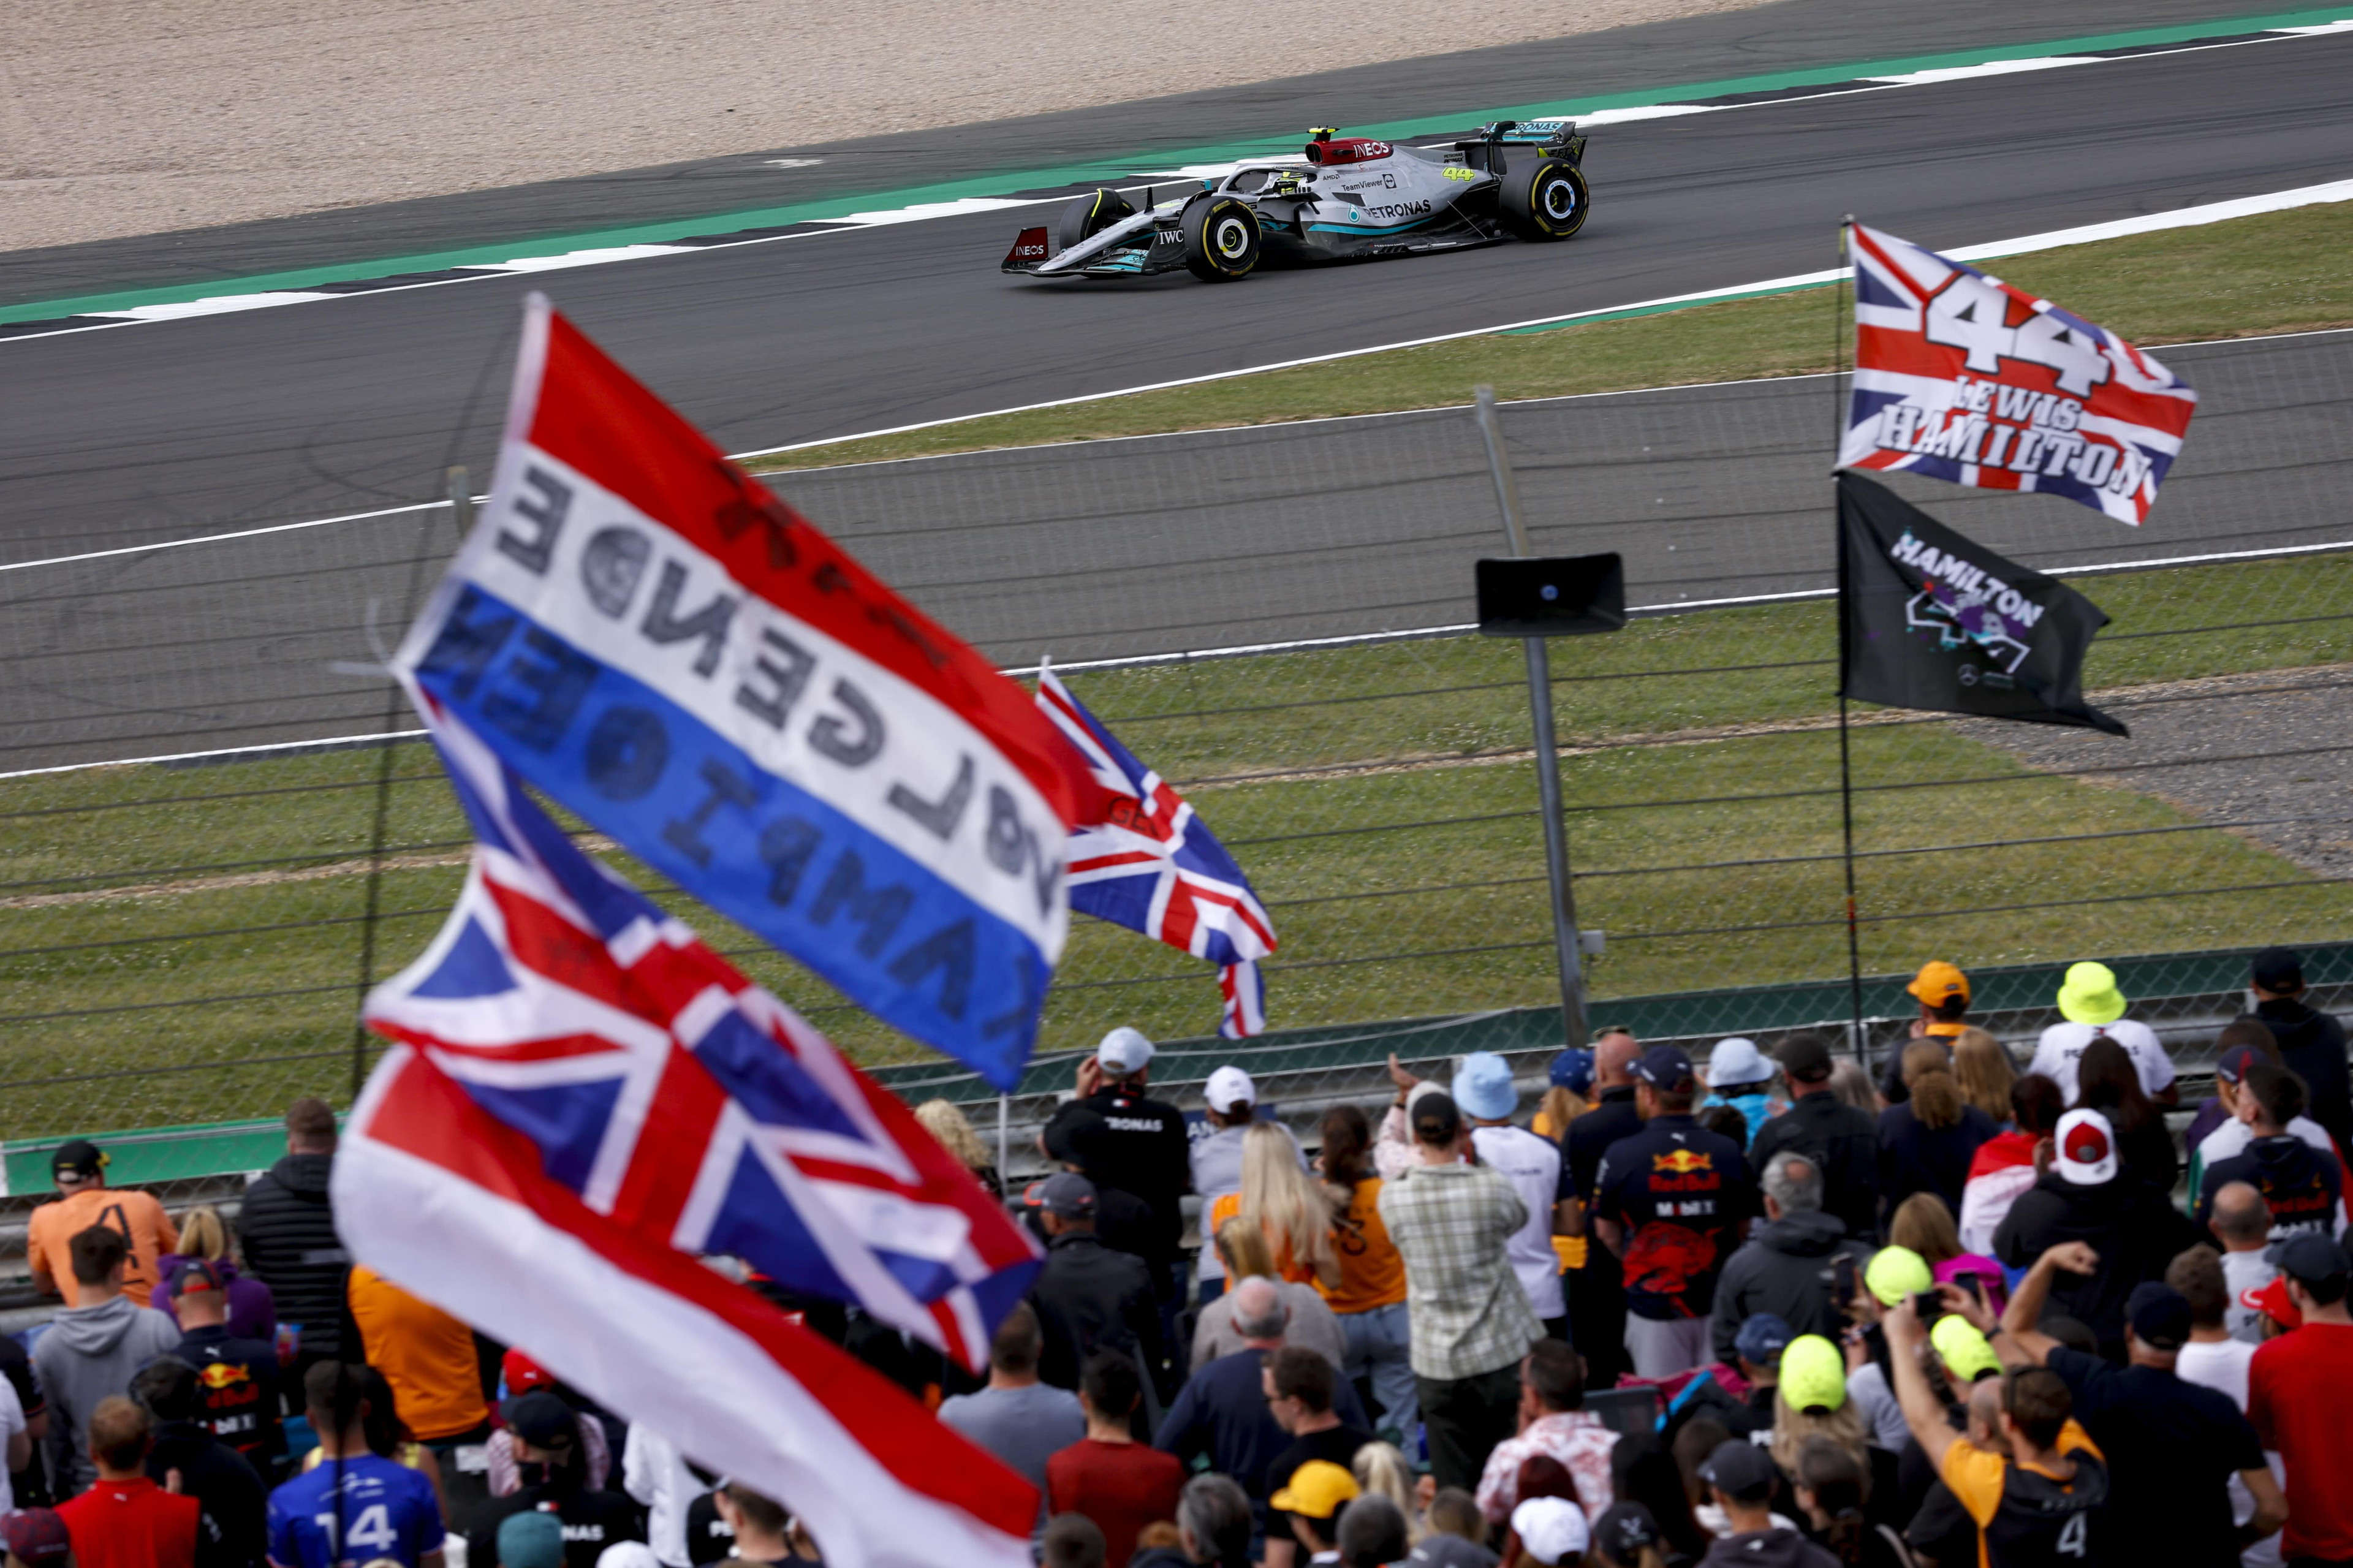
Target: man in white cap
<point>1141,1147</point>
<point>2085,1196</point>
<point>2093,1005</point>
<point>1231,1105</point>
<point>1484,1089</point>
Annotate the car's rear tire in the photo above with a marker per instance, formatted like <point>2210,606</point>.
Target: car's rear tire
<point>1543,199</point>
<point>1089,216</point>
<point>1221,238</point>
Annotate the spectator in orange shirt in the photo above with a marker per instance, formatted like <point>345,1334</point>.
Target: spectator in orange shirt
<point>1370,1295</point>
<point>426,1355</point>
<point>127,1520</point>
<point>84,1200</point>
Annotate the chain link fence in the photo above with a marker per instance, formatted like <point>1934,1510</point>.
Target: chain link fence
<point>1273,618</point>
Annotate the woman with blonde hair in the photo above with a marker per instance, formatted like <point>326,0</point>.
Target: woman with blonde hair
<point>1923,1224</point>
<point>1309,1320</point>
<point>1926,1141</point>
<point>1809,1401</point>
<point>1982,1068</point>
<point>252,1311</point>
<point>945,1122</point>
<point>1293,1210</point>
<point>1381,1468</point>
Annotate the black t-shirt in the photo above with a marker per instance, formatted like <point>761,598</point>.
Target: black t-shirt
<point>592,1521</point>
<point>1588,1138</point>
<point>2302,1187</point>
<point>1142,1148</point>
<point>1337,1444</point>
<point>236,1381</point>
<point>2172,1448</point>
<point>1680,1194</point>
<point>708,1538</point>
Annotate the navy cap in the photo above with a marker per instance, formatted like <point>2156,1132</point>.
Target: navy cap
<point>1740,1471</point>
<point>2310,1256</point>
<point>2159,1315</point>
<point>1666,1068</point>
<point>1572,1069</point>
<point>1762,1339</point>
<point>2232,1065</point>
<point>540,1419</point>
<point>1069,1196</point>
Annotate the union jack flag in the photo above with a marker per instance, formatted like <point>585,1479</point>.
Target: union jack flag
<point>1962,377</point>
<point>678,1098</point>
<point>1142,858</point>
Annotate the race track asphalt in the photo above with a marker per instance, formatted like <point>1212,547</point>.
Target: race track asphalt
<point>154,432</point>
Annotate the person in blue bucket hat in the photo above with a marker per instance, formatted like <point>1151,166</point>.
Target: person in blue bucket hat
<point>1484,1089</point>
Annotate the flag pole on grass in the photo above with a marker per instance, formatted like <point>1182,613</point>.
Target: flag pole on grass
<point>1846,759</point>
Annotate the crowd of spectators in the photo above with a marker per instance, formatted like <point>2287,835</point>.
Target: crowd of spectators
<point>1767,1308</point>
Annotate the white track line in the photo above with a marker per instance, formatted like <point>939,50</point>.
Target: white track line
<point>962,207</point>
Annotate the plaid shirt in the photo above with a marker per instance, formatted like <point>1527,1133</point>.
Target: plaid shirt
<point>1466,1310</point>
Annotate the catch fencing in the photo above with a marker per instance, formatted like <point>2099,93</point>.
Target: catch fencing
<point>1274,618</point>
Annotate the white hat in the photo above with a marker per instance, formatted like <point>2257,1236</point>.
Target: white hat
<point>1123,1051</point>
<point>1552,1529</point>
<point>1229,1086</point>
<point>2086,1148</point>
<point>1737,1061</point>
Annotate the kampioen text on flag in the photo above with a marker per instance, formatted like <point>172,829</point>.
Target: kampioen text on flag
<point>646,634</point>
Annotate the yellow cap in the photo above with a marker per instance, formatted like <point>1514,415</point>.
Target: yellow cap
<point>1813,1374</point>
<point>1317,1490</point>
<point>1967,1354</point>
<point>2089,996</point>
<point>1896,1272</point>
<point>1939,982</point>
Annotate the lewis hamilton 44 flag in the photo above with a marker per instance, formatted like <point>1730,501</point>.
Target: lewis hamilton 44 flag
<point>1932,620</point>
<point>650,636</point>
<point>1962,377</point>
<point>1141,857</point>
<point>584,1099</point>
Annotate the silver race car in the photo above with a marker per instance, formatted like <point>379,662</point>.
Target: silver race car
<point>1355,198</point>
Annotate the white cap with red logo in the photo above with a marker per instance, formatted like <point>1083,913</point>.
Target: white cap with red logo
<point>2087,1149</point>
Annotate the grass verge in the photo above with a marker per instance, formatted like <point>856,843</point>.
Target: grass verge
<point>2277,272</point>
<point>1380,796</point>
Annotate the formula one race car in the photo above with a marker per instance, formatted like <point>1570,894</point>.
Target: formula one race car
<point>1356,198</point>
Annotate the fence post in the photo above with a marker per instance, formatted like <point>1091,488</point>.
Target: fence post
<point>1565,944</point>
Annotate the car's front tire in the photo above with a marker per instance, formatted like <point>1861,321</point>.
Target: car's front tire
<point>1545,200</point>
<point>1221,238</point>
<point>1089,216</point>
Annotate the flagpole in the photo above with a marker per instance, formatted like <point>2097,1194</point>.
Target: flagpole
<point>1846,760</point>
<point>1566,944</point>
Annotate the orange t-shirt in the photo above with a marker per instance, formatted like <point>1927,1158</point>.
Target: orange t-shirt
<point>1227,1207</point>
<point>1372,1274</point>
<point>50,1232</point>
<point>425,1354</point>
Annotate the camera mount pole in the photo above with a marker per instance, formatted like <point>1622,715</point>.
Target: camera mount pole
<point>1567,943</point>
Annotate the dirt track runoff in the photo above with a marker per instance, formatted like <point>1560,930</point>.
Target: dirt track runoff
<point>126,117</point>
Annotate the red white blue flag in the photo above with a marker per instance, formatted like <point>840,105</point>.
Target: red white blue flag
<point>650,636</point>
<point>1141,857</point>
<point>586,1099</point>
<point>1962,377</point>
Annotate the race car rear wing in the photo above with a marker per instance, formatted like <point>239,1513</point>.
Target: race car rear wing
<point>1557,137</point>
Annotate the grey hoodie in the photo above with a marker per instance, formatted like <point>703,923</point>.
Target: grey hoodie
<point>87,1354</point>
<point>1786,1270</point>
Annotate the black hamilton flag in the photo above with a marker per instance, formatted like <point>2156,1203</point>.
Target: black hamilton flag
<point>1931,620</point>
